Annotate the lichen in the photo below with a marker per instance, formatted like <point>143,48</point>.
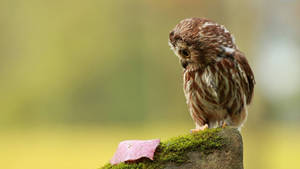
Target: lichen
<point>175,150</point>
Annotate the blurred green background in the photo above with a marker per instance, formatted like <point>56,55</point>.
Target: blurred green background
<point>78,77</point>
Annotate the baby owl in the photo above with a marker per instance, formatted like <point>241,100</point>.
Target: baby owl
<point>218,81</point>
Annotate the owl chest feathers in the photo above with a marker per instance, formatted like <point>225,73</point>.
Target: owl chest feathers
<point>214,93</point>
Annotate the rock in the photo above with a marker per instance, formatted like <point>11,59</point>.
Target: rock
<point>209,149</point>
<point>229,157</point>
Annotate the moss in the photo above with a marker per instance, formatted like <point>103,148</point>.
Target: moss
<point>175,150</point>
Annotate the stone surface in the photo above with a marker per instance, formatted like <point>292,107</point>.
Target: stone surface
<point>209,149</point>
<point>229,157</point>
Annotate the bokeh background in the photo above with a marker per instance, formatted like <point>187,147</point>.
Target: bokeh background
<point>78,77</point>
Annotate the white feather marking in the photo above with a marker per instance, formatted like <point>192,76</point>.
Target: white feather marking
<point>197,78</point>
<point>171,46</point>
<point>188,90</point>
<point>218,59</point>
<point>243,73</point>
<point>207,24</point>
<point>188,84</point>
<point>229,50</point>
<point>206,77</point>
<point>225,30</point>
<point>199,83</point>
<point>232,38</point>
<point>209,81</point>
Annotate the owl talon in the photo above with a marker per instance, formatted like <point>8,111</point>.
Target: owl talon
<point>194,131</point>
<point>200,128</point>
<point>224,124</point>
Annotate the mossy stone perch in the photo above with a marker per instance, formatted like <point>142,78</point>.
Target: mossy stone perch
<point>209,149</point>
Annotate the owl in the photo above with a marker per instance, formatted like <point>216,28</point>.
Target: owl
<point>218,82</point>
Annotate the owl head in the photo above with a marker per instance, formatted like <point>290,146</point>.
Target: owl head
<point>199,42</point>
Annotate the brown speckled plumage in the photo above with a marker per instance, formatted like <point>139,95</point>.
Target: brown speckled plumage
<point>218,81</point>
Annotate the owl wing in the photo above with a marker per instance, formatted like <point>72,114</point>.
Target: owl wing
<point>247,76</point>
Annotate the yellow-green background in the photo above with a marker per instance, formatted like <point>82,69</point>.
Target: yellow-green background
<point>78,77</point>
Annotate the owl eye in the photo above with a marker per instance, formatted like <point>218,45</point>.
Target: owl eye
<point>184,52</point>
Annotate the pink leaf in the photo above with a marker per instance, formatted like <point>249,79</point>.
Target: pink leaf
<point>131,150</point>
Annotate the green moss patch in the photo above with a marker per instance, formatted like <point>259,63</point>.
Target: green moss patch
<point>175,150</point>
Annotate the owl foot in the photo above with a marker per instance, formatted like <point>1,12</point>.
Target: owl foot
<point>224,124</point>
<point>199,128</point>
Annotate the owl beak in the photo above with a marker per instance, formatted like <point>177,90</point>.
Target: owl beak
<point>184,63</point>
